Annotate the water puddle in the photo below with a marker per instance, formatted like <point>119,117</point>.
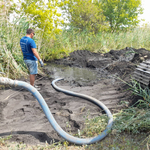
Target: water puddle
<point>71,73</point>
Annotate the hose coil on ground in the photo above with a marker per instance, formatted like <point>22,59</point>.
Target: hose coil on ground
<point>58,129</point>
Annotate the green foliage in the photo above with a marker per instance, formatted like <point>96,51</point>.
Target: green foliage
<point>132,120</point>
<point>6,7</point>
<point>4,139</point>
<point>85,15</point>
<point>144,93</point>
<point>43,15</point>
<point>94,126</point>
<point>121,142</point>
<point>50,54</point>
<point>71,40</point>
<point>121,14</point>
<point>95,15</point>
<point>11,60</point>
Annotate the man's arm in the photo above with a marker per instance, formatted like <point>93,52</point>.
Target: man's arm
<point>35,53</point>
<point>37,56</point>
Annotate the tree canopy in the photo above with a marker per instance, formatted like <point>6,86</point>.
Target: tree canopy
<point>85,15</point>
<point>121,13</point>
<point>43,15</point>
<point>94,15</point>
<point>91,15</point>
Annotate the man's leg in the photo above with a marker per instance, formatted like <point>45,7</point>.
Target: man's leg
<point>32,79</point>
<point>33,69</point>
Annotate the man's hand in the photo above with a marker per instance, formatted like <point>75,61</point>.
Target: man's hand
<point>41,62</point>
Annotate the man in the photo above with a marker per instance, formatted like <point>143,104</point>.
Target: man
<point>30,55</point>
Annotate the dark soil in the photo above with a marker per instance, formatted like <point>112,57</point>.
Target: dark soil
<point>22,117</point>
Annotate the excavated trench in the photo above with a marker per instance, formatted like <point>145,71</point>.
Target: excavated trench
<point>93,74</point>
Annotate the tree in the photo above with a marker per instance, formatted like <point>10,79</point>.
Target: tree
<point>43,15</point>
<point>85,15</point>
<point>121,13</point>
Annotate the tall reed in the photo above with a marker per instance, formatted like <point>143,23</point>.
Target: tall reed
<point>11,59</point>
<point>70,40</point>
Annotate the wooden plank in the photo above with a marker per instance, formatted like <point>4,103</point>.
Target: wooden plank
<point>145,83</point>
<point>143,70</point>
<point>143,75</point>
<point>144,65</point>
<point>141,78</point>
<point>147,61</point>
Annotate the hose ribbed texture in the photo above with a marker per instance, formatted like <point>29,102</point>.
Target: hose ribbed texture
<point>58,129</point>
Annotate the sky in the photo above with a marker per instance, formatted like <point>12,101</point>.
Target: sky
<point>146,14</point>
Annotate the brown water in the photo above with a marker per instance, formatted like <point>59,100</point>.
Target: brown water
<point>71,73</point>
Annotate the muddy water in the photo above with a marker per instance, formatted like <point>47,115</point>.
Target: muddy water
<point>71,73</point>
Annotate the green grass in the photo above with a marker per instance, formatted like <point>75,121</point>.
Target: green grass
<point>103,42</point>
<point>111,142</point>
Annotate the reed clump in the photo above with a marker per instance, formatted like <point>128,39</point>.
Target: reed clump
<point>71,40</point>
<point>11,59</point>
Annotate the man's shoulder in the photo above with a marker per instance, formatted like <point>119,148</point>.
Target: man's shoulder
<point>25,38</point>
<point>30,40</point>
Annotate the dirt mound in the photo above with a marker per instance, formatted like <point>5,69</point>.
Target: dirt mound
<point>115,61</point>
<point>85,58</point>
<point>22,116</point>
